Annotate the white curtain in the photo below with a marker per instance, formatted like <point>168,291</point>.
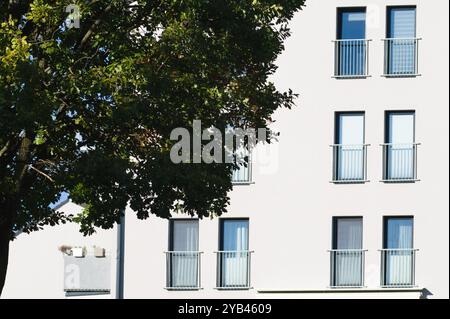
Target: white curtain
<point>184,258</point>
<point>399,259</point>
<point>348,263</point>
<point>235,253</point>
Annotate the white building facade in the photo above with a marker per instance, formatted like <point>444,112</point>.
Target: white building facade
<point>351,202</point>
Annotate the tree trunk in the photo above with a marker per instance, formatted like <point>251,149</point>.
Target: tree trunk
<point>5,232</point>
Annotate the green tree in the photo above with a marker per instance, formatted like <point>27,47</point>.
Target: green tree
<point>88,109</point>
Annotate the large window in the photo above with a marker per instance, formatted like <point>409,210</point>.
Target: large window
<point>183,257</point>
<point>398,254</point>
<point>233,257</point>
<point>347,255</point>
<point>401,44</point>
<point>351,43</point>
<point>400,148</point>
<point>349,150</point>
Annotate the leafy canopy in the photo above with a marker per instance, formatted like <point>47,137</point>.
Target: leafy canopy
<point>89,110</point>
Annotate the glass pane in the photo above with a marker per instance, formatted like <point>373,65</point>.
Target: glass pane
<point>348,233</point>
<point>402,22</point>
<point>234,235</point>
<point>184,235</point>
<point>352,24</point>
<point>401,127</point>
<point>399,233</point>
<point>351,129</point>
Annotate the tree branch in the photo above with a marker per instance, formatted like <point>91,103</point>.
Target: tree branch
<point>93,26</point>
<point>41,172</point>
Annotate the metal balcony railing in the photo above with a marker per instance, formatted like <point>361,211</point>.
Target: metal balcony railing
<point>398,267</point>
<point>400,162</point>
<point>347,268</point>
<point>351,58</point>
<point>349,163</point>
<point>401,57</point>
<point>183,270</point>
<point>233,269</point>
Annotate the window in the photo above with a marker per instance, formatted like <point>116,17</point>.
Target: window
<point>347,255</point>
<point>351,44</point>
<point>233,258</point>
<point>242,157</point>
<point>183,257</point>
<point>243,174</point>
<point>398,255</point>
<point>349,150</point>
<point>401,44</point>
<point>400,149</point>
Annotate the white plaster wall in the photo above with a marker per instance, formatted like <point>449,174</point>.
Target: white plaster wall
<point>292,202</point>
<point>36,266</point>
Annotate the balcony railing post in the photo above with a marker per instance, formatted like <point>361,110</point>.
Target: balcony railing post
<point>363,268</point>
<point>332,263</point>
<point>249,262</point>
<point>199,270</point>
<point>384,274</point>
<point>365,163</point>
<point>218,267</point>
<point>169,270</point>
<point>417,56</point>
<point>415,161</point>
<point>366,71</point>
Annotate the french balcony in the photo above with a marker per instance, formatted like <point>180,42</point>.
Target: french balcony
<point>400,162</point>
<point>401,57</point>
<point>347,268</point>
<point>398,267</point>
<point>183,270</point>
<point>351,58</point>
<point>349,163</point>
<point>233,269</point>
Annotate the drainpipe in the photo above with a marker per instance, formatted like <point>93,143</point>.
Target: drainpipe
<point>120,256</point>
